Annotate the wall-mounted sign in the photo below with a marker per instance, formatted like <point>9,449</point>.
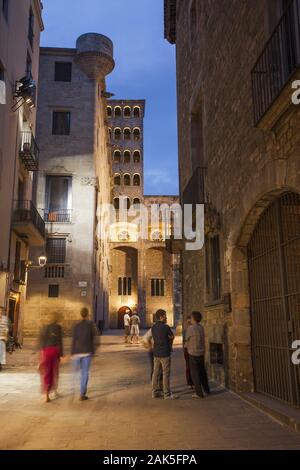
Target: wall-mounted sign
<point>82,284</point>
<point>83,293</point>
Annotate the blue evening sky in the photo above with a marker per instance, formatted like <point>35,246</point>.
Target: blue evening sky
<point>145,68</point>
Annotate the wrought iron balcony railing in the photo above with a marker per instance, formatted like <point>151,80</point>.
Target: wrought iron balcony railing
<point>59,216</point>
<point>26,214</point>
<point>195,191</point>
<point>278,61</point>
<point>29,151</point>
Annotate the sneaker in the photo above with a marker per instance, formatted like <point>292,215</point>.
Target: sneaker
<point>197,396</point>
<point>171,397</point>
<point>83,398</point>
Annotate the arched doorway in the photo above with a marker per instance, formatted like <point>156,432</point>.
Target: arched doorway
<point>274,277</point>
<point>121,314</point>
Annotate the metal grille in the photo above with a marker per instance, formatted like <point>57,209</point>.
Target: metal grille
<point>56,250</point>
<point>274,271</point>
<point>278,61</point>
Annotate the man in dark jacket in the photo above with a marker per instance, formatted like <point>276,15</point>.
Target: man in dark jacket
<point>83,348</point>
<point>162,347</point>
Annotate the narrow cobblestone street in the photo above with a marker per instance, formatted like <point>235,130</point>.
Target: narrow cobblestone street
<point>121,413</point>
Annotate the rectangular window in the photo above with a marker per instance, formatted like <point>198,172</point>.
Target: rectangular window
<point>53,290</point>
<point>2,78</point>
<point>28,72</point>
<point>157,287</point>
<point>197,144</point>
<point>58,203</point>
<point>193,21</point>
<point>17,268</point>
<point>63,72</point>
<point>216,353</point>
<point>213,268</point>
<point>124,286</point>
<point>31,27</point>
<point>56,250</point>
<point>61,124</point>
<point>5,5</point>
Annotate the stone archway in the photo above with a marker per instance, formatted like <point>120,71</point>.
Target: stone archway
<point>241,376</point>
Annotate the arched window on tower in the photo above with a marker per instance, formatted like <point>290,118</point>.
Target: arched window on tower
<point>117,203</point>
<point>117,180</point>
<point>136,201</point>
<point>117,156</point>
<point>118,133</point>
<point>118,111</point>
<point>109,111</point>
<point>136,156</point>
<point>127,156</point>
<point>127,133</point>
<point>127,181</point>
<point>127,111</point>
<point>137,112</point>
<point>136,133</point>
<point>126,203</point>
<point>136,180</point>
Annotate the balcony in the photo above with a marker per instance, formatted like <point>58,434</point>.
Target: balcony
<point>61,216</point>
<point>276,68</point>
<point>29,151</point>
<point>28,223</point>
<point>195,190</point>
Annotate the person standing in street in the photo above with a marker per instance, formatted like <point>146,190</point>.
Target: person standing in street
<point>83,349</point>
<point>51,345</point>
<point>195,343</point>
<point>4,327</point>
<point>127,325</point>
<point>135,327</point>
<point>163,338</point>
<point>188,376</point>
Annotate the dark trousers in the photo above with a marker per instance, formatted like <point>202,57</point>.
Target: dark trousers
<point>188,376</point>
<point>199,375</point>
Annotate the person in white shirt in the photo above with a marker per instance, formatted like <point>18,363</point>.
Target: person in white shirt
<point>127,325</point>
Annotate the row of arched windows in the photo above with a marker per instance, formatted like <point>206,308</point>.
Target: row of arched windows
<point>127,156</point>
<point>127,180</point>
<point>127,111</point>
<point>126,133</point>
<point>126,202</point>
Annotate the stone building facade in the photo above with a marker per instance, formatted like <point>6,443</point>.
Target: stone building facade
<point>73,181</point>
<point>239,153</point>
<point>143,273</point>
<point>21,226</point>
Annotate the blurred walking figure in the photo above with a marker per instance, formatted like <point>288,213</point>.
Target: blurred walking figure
<point>195,343</point>
<point>127,325</point>
<point>135,327</point>
<point>51,344</point>
<point>4,328</point>
<point>162,347</point>
<point>188,376</point>
<point>83,348</point>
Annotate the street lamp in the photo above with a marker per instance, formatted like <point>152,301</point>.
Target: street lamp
<point>42,260</point>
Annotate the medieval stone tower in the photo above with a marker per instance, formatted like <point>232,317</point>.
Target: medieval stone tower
<point>142,273</point>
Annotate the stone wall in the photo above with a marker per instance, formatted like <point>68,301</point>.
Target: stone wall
<point>247,165</point>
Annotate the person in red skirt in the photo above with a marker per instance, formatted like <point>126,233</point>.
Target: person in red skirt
<point>51,344</point>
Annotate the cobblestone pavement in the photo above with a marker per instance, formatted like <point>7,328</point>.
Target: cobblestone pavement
<point>121,414</point>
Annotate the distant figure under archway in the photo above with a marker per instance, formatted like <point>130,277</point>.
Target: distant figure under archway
<point>121,314</point>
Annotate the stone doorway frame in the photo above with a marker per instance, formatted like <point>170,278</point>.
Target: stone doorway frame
<point>238,325</point>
